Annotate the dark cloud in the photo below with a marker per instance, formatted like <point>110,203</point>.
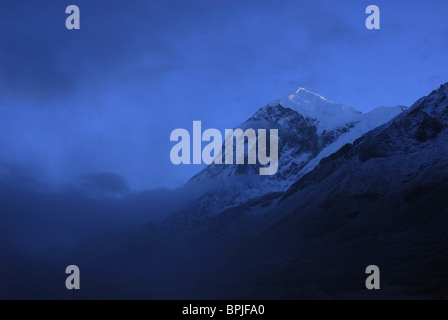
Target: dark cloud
<point>105,183</point>
<point>109,95</point>
<point>43,61</point>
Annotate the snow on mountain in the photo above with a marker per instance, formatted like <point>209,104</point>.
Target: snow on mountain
<point>366,123</point>
<point>310,128</point>
<point>326,114</point>
<point>406,152</point>
<point>379,200</point>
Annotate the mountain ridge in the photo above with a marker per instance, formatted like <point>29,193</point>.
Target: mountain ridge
<point>380,200</point>
<point>303,141</point>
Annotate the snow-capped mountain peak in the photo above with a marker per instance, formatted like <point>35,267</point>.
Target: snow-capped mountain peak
<point>326,114</point>
<point>310,128</point>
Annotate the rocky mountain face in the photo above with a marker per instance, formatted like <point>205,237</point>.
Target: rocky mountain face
<point>310,128</point>
<point>380,200</point>
<point>412,144</point>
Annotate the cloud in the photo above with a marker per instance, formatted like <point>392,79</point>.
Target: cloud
<point>45,64</point>
<point>105,183</point>
<point>105,98</point>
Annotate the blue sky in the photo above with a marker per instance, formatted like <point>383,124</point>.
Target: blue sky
<point>106,97</point>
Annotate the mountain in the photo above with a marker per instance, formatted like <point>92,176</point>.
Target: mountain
<point>310,128</point>
<point>412,144</point>
<point>380,200</point>
<point>23,277</point>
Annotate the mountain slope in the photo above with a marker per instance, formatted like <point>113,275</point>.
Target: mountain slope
<point>412,143</point>
<point>379,201</point>
<point>310,128</point>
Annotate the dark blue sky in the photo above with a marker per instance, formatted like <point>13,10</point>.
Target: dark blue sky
<point>106,97</point>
